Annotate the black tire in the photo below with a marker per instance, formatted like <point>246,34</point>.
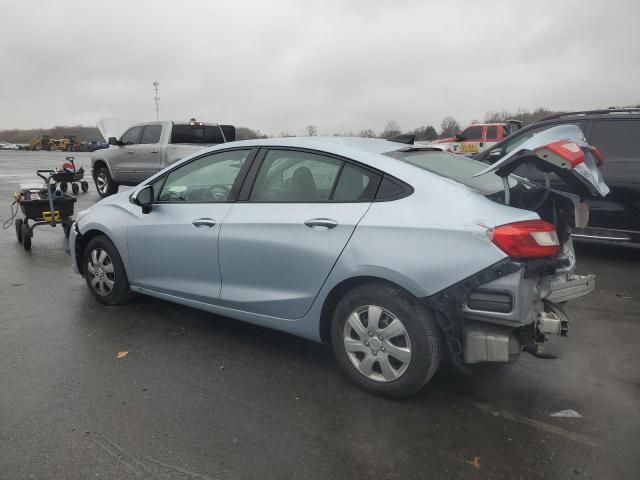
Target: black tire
<point>426,344</point>
<point>84,185</point>
<point>75,188</point>
<point>64,186</point>
<point>104,183</point>
<point>18,224</point>
<point>67,229</point>
<point>26,236</point>
<point>120,291</point>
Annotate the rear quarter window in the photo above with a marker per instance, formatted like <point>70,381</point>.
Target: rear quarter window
<point>616,138</point>
<point>205,134</point>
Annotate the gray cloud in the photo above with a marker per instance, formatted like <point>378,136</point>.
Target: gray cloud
<point>342,66</point>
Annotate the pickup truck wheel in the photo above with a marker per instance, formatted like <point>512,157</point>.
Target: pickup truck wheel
<point>104,183</point>
<point>385,341</point>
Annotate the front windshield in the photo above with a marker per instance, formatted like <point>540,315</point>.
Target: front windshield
<point>456,167</point>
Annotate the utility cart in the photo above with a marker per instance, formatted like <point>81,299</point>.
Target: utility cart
<point>75,178</point>
<point>44,206</point>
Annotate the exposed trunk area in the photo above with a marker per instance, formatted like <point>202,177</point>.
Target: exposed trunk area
<point>560,209</point>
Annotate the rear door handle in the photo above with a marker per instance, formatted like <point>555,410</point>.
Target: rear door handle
<point>130,152</point>
<point>319,223</point>
<point>204,222</point>
<point>155,151</point>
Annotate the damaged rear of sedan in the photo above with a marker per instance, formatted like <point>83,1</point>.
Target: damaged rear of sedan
<point>397,255</point>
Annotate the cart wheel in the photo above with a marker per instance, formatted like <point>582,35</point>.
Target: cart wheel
<point>84,185</point>
<point>26,237</point>
<point>63,186</point>
<point>75,188</point>
<point>19,223</point>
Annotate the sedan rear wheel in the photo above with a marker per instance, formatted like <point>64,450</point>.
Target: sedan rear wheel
<point>385,341</point>
<point>377,343</point>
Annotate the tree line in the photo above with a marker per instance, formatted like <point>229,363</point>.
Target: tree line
<point>448,128</point>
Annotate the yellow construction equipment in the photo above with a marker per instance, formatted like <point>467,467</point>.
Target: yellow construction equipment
<point>43,144</point>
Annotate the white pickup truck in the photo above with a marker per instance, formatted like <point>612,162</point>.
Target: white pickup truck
<point>146,148</point>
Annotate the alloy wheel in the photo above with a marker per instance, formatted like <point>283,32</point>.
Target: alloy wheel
<point>377,343</point>
<point>101,273</point>
<point>102,182</point>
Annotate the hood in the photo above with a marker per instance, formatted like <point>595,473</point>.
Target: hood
<point>562,150</point>
<point>114,127</point>
<point>445,140</point>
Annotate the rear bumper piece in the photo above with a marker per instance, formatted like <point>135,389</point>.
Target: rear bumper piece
<point>489,316</point>
<point>562,290</point>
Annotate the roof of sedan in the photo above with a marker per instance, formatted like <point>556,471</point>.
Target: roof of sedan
<point>366,150</point>
<point>328,144</point>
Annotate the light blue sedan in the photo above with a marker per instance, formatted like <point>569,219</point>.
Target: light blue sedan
<point>398,255</point>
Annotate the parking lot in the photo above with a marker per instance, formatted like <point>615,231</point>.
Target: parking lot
<point>199,396</point>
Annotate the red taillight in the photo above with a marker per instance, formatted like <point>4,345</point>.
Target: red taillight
<point>598,155</point>
<point>528,239</point>
<point>564,153</point>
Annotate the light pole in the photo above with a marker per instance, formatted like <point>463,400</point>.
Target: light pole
<point>156,84</point>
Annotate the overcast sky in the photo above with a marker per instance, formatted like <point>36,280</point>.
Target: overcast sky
<point>340,65</point>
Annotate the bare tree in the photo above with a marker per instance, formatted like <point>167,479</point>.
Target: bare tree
<point>391,129</point>
<point>424,134</point>
<point>449,127</point>
<point>367,133</point>
<point>312,131</point>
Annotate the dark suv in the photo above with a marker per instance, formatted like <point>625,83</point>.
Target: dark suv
<point>616,133</point>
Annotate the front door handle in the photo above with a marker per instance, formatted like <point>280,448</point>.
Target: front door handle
<point>204,222</point>
<point>130,152</point>
<point>155,151</point>
<point>319,223</point>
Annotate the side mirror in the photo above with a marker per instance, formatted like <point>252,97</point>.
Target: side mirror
<point>459,137</point>
<point>144,198</point>
<point>113,141</point>
<point>496,152</point>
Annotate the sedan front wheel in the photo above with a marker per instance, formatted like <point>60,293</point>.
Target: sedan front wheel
<point>104,272</point>
<point>385,341</point>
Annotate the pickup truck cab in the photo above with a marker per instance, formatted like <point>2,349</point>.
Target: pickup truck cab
<point>146,148</point>
<point>476,138</point>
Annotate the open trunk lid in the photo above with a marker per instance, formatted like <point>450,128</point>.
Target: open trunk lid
<point>562,150</point>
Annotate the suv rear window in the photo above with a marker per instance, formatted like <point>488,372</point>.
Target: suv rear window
<point>185,133</point>
<point>616,138</point>
<point>459,168</point>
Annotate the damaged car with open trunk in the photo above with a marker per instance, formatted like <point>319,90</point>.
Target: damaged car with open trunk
<point>400,256</point>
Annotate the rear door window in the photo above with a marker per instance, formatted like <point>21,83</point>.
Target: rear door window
<point>492,133</point>
<point>295,176</point>
<point>355,185</point>
<point>151,134</point>
<point>616,138</point>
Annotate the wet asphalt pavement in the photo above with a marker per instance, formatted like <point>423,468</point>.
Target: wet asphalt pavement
<point>205,397</point>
